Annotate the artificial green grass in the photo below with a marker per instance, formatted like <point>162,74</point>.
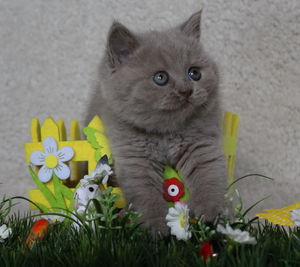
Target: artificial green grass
<point>114,238</point>
<point>65,246</point>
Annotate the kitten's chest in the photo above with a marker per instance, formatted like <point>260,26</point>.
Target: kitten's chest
<point>167,149</point>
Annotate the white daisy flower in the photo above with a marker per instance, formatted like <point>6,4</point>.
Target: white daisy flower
<point>296,217</point>
<point>52,160</point>
<point>5,232</point>
<point>178,220</point>
<point>236,235</point>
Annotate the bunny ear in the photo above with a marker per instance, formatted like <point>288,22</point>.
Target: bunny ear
<point>102,161</point>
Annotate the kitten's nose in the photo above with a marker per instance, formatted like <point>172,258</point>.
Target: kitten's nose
<point>186,92</point>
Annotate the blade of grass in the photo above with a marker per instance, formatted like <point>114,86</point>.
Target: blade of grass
<point>57,214</point>
<point>248,175</point>
<point>27,199</point>
<point>252,206</point>
<point>4,211</point>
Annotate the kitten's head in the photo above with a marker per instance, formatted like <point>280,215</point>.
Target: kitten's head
<point>158,81</point>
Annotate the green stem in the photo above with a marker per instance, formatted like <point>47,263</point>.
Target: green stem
<point>43,188</point>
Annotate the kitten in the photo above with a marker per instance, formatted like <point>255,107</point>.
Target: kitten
<point>158,99</point>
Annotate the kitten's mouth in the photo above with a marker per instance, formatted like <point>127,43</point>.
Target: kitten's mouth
<point>178,105</point>
<point>186,102</point>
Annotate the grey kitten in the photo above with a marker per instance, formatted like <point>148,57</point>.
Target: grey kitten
<point>159,102</point>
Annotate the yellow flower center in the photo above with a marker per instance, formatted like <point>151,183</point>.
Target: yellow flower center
<point>51,161</point>
<point>183,221</point>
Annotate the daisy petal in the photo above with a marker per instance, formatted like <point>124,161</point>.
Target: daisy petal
<point>3,228</point>
<point>181,235</point>
<point>45,174</point>
<point>49,145</point>
<point>170,218</point>
<point>37,158</point>
<point>173,224</point>
<point>173,212</point>
<point>62,171</point>
<point>65,153</point>
<point>221,229</point>
<point>6,233</point>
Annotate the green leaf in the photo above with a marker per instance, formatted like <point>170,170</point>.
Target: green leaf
<point>169,173</point>
<point>43,188</point>
<point>97,205</point>
<point>98,154</point>
<point>60,202</point>
<point>91,137</point>
<point>68,194</point>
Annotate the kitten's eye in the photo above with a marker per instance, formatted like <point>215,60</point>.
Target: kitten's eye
<point>195,73</point>
<point>161,78</point>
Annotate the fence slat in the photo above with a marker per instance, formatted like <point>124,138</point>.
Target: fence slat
<point>49,128</point>
<point>75,166</point>
<point>35,130</point>
<point>97,123</point>
<point>62,130</point>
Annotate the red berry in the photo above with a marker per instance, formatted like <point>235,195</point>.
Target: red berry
<point>206,250</point>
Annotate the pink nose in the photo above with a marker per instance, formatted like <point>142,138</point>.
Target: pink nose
<point>186,92</point>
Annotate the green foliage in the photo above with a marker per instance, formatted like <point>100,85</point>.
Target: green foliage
<point>101,213</point>
<point>64,246</point>
<point>105,236</point>
<point>5,208</point>
<point>56,200</point>
<point>91,137</point>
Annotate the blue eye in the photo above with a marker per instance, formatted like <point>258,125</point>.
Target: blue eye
<point>161,78</point>
<point>195,73</point>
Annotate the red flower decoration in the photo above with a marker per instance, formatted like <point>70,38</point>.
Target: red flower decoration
<point>206,250</point>
<point>173,189</point>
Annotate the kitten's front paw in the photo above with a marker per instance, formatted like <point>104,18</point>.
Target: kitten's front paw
<point>158,227</point>
<point>210,212</point>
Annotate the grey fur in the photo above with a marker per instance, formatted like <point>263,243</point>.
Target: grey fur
<point>150,126</point>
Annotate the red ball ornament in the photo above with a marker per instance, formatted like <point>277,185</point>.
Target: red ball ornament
<point>173,189</point>
<point>206,250</point>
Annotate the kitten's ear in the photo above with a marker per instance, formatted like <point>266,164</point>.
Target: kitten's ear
<point>192,26</point>
<point>121,43</point>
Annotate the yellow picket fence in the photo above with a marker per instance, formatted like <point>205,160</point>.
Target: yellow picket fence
<point>85,152</point>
